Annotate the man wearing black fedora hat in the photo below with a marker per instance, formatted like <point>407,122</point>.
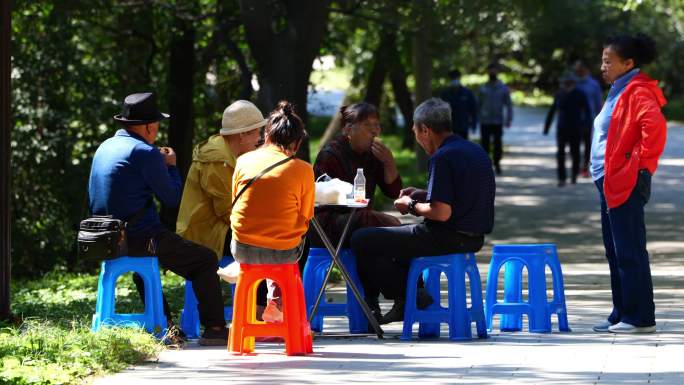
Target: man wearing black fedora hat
<point>127,171</point>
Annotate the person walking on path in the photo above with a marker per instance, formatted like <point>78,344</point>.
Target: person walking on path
<point>127,171</point>
<point>573,115</point>
<point>458,208</point>
<point>204,214</point>
<point>496,111</point>
<point>629,137</point>
<point>463,105</point>
<point>594,94</point>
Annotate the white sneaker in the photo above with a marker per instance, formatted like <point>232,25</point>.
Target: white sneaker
<point>625,328</point>
<point>602,327</point>
<point>229,273</point>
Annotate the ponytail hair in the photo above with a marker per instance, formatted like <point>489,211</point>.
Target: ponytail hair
<point>284,126</point>
<point>641,48</point>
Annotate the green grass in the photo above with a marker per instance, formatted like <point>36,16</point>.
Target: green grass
<point>52,343</point>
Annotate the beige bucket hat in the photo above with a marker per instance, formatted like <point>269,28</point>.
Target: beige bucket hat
<point>241,116</point>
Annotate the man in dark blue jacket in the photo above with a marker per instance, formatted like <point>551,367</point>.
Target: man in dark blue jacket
<point>463,105</point>
<point>574,114</point>
<point>457,208</point>
<point>127,171</point>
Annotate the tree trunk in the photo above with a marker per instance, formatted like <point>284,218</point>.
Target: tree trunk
<point>181,92</point>
<point>5,151</point>
<point>136,39</point>
<point>422,67</point>
<point>284,38</point>
<point>378,71</point>
<point>402,95</point>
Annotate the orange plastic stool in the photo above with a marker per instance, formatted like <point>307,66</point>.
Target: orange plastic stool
<point>294,328</point>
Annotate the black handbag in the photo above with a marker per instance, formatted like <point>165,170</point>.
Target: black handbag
<point>102,237</point>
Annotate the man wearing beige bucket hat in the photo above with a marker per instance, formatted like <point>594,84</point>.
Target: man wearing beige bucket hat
<point>204,215</point>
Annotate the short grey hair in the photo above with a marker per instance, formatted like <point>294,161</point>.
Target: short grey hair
<point>434,113</point>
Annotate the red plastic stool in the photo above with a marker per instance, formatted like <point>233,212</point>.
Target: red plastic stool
<point>294,328</point>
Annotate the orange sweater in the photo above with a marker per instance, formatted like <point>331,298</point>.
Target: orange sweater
<point>274,212</point>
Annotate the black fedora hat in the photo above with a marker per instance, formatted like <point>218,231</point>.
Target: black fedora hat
<point>140,109</point>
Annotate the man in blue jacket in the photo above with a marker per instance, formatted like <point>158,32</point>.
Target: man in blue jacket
<point>127,171</point>
<point>463,105</point>
<point>457,208</point>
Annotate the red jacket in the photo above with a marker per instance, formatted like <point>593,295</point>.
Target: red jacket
<point>636,138</point>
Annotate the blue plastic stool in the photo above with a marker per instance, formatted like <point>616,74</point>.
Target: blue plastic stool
<point>458,316</point>
<point>538,309</point>
<point>189,320</point>
<point>153,319</point>
<point>314,273</point>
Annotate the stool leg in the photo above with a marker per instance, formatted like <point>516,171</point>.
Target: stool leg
<point>491,292</point>
<point>357,319</point>
<point>189,321</point>
<point>431,280</point>
<point>459,321</point>
<point>559,295</point>
<point>410,307</point>
<point>104,306</point>
<point>236,343</point>
<point>540,320</point>
<point>476,309</point>
<point>512,294</point>
<point>294,338</point>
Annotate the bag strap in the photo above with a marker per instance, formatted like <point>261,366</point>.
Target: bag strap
<point>259,175</point>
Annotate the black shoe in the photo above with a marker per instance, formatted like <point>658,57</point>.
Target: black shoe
<point>395,314</point>
<point>174,336</point>
<point>213,337</point>
<point>423,299</point>
<point>374,307</point>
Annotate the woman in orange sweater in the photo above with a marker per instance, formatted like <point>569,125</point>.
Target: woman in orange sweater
<point>271,218</point>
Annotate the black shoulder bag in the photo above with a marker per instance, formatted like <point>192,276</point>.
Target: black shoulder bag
<point>102,237</point>
<point>259,175</point>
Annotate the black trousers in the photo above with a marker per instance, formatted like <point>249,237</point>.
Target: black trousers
<point>492,132</point>
<point>191,261</point>
<point>624,238</point>
<point>384,254</point>
<point>574,143</point>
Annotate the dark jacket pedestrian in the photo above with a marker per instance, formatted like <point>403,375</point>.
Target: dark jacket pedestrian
<point>463,105</point>
<point>573,114</point>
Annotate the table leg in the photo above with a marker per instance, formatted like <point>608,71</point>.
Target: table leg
<point>334,253</point>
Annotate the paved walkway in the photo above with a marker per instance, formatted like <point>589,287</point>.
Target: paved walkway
<point>530,208</point>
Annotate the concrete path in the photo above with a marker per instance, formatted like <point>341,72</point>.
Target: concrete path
<point>530,209</point>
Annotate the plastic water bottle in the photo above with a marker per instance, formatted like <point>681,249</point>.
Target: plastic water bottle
<point>359,186</point>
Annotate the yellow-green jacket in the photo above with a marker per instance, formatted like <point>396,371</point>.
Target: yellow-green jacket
<point>204,214</point>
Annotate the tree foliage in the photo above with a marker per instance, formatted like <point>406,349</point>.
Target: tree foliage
<point>74,61</point>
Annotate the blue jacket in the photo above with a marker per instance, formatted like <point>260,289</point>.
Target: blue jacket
<point>463,109</point>
<point>125,174</point>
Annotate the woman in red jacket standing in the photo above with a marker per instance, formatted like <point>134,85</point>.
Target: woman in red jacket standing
<point>629,137</point>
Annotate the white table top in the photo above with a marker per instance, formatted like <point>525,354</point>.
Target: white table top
<point>350,203</point>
